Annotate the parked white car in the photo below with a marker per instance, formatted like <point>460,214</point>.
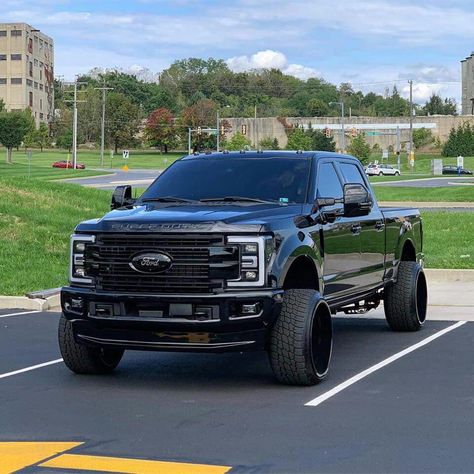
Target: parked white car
<point>382,170</point>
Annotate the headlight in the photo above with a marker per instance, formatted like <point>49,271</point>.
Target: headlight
<point>77,271</point>
<point>254,257</point>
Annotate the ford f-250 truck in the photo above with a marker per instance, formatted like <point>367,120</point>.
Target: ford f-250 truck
<point>241,251</point>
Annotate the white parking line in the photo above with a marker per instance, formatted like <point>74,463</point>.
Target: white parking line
<point>32,367</point>
<point>339,388</point>
<point>18,314</point>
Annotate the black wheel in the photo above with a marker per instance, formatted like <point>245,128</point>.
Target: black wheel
<point>406,301</point>
<point>380,173</point>
<point>82,359</point>
<point>301,340</point>
<point>397,173</point>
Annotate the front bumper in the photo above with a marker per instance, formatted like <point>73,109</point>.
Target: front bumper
<point>204,323</point>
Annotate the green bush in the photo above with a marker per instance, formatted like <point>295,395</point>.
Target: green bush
<point>237,142</point>
<point>320,142</point>
<point>460,141</point>
<point>299,140</point>
<point>422,137</point>
<point>360,148</point>
<point>269,143</point>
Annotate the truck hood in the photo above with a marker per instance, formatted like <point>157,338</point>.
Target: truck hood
<point>186,217</point>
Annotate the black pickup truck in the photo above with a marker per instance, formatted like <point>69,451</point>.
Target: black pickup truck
<point>241,251</point>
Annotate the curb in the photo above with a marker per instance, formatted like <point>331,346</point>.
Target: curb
<point>441,275</point>
<point>35,304</point>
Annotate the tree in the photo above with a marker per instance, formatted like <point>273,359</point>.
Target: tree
<point>321,142</point>
<point>2,105</point>
<point>436,106</point>
<point>421,137</point>
<point>237,142</point>
<point>268,143</point>
<point>159,129</point>
<point>122,121</point>
<point>299,140</point>
<point>201,114</point>
<point>460,141</point>
<point>14,126</point>
<point>317,108</point>
<point>360,148</point>
<point>64,139</point>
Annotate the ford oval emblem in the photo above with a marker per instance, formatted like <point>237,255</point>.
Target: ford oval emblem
<point>151,262</point>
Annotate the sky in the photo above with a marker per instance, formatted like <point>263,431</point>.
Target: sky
<point>373,44</point>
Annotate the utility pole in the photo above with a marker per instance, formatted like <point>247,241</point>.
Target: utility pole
<point>256,125</point>
<point>343,137</point>
<point>102,130</point>
<point>74,122</point>
<point>411,117</point>
<point>218,130</point>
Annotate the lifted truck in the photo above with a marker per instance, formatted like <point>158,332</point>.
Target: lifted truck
<point>241,251</point>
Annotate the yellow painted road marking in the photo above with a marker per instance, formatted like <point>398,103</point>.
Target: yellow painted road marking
<point>16,456</point>
<point>130,466</point>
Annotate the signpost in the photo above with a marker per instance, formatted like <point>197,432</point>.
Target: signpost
<point>125,156</point>
<point>29,156</point>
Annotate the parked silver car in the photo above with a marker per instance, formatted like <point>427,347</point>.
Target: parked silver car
<point>382,170</point>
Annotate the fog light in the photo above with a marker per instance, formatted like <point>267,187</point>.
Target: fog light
<point>250,275</point>
<point>80,246</point>
<point>77,303</point>
<point>249,309</point>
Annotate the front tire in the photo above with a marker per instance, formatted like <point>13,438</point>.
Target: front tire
<point>406,301</point>
<point>301,340</point>
<point>83,359</point>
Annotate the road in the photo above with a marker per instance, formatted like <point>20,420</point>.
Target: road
<point>411,414</point>
<point>428,182</point>
<point>137,178</point>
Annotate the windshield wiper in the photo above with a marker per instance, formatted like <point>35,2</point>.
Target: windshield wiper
<point>167,199</point>
<point>237,199</point>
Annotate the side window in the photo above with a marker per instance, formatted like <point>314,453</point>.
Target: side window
<point>329,184</point>
<point>351,173</point>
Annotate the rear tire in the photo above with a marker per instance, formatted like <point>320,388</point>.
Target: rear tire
<point>301,340</point>
<point>406,301</point>
<point>380,173</point>
<point>83,359</point>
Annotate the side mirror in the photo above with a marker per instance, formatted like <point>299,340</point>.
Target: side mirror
<point>357,200</point>
<point>121,197</point>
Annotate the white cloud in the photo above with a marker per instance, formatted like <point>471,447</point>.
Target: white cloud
<point>269,59</point>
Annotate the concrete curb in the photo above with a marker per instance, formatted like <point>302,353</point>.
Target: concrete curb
<point>441,275</point>
<point>34,304</point>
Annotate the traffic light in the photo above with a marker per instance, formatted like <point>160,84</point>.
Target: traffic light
<point>327,132</point>
<point>199,130</point>
<point>354,133</point>
<point>244,129</point>
<point>222,130</point>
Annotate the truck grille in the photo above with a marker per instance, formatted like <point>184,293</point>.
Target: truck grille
<point>200,264</point>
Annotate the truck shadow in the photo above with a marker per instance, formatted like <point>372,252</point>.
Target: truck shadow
<point>358,344</point>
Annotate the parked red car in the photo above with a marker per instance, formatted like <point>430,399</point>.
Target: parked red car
<point>68,164</point>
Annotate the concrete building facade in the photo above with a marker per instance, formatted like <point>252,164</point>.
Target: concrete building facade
<point>27,70</point>
<point>467,93</point>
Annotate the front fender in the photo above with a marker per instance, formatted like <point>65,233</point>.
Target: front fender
<point>299,245</point>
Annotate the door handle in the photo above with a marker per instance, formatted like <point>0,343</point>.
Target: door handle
<point>380,225</point>
<point>356,228</point>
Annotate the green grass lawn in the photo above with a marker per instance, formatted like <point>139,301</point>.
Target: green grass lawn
<point>150,159</point>
<point>37,218</point>
<point>447,193</point>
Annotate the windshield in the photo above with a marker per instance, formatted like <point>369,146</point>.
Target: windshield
<point>271,179</point>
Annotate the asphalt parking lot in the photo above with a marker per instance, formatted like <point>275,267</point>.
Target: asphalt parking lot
<point>412,412</point>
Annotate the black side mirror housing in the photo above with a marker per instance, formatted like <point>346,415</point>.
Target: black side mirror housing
<point>122,196</point>
<point>357,200</point>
